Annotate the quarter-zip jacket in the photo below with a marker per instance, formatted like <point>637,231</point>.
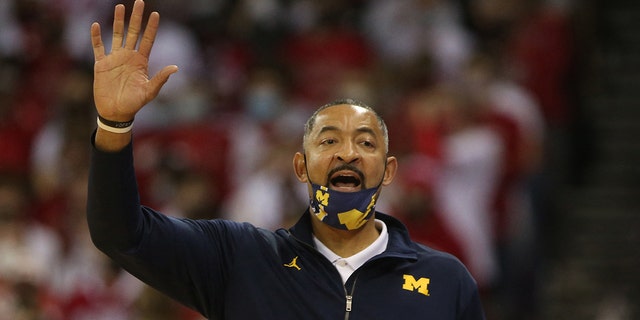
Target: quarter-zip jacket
<point>232,270</point>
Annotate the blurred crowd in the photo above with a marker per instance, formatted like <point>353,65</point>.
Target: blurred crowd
<point>478,94</point>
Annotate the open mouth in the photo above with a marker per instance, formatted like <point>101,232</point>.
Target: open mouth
<point>345,181</point>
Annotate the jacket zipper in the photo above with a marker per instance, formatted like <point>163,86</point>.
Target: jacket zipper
<point>349,298</point>
<point>348,295</point>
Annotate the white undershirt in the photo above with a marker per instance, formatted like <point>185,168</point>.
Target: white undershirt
<point>346,266</point>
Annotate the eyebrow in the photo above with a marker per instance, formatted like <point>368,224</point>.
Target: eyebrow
<point>367,130</point>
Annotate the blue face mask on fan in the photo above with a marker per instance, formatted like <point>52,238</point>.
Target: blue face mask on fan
<point>343,210</point>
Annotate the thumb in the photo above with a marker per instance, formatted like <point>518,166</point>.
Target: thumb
<point>160,78</point>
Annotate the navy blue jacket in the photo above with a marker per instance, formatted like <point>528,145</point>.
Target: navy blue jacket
<point>231,270</point>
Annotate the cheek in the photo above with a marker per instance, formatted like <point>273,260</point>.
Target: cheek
<point>375,172</point>
<point>317,168</point>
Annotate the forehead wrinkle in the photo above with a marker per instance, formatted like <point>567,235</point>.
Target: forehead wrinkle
<point>328,128</point>
<point>364,129</point>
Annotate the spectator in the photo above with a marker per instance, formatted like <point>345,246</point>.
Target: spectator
<point>405,31</point>
<point>471,153</point>
<point>318,57</point>
<point>29,249</point>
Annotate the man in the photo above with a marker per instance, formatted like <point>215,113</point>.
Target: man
<point>341,260</point>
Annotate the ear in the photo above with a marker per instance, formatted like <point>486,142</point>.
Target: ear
<point>390,170</point>
<point>299,167</point>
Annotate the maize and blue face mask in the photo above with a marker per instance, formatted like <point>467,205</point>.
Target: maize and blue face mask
<point>343,210</point>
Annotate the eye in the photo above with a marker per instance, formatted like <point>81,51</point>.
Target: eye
<point>368,144</point>
<point>328,141</point>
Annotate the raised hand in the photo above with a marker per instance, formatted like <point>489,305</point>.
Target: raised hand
<point>121,82</point>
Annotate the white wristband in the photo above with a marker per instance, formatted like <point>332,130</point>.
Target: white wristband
<point>113,129</point>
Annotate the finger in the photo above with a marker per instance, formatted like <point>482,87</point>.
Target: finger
<point>160,78</point>
<point>118,27</point>
<point>96,42</point>
<point>149,35</point>
<point>134,25</point>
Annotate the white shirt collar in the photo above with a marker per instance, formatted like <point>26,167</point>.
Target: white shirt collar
<point>346,266</point>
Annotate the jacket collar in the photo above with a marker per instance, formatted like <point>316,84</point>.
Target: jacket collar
<point>400,245</point>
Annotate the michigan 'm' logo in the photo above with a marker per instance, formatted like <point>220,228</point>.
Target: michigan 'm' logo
<point>322,197</point>
<point>352,219</point>
<point>411,284</point>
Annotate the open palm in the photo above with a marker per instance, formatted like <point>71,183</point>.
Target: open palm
<point>121,82</point>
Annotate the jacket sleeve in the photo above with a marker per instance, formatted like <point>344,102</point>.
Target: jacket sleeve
<point>469,304</point>
<point>185,259</point>
<point>113,204</point>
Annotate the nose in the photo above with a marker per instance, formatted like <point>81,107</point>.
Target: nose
<point>348,153</point>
